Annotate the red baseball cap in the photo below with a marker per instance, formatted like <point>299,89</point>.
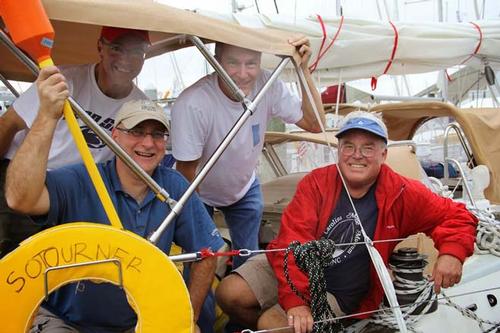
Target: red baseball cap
<point>112,33</point>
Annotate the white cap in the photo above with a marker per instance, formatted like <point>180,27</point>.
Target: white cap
<point>135,112</point>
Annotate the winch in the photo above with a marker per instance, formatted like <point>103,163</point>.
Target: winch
<point>408,266</point>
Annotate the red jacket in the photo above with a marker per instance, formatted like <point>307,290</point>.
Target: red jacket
<point>405,207</point>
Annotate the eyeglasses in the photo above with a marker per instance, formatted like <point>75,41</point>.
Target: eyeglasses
<point>119,50</point>
<point>140,133</point>
<point>350,149</point>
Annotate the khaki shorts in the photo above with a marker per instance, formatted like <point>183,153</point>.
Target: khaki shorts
<point>260,277</point>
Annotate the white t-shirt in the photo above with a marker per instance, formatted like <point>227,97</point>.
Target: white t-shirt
<point>84,89</point>
<point>201,118</point>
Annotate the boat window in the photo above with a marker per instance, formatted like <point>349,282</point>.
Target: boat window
<point>430,147</point>
<point>296,156</point>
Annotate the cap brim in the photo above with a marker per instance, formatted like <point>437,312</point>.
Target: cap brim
<point>134,121</point>
<point>342,132</point>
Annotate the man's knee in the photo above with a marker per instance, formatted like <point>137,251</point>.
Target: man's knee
<point>234,291</point>
<point>273,317</point>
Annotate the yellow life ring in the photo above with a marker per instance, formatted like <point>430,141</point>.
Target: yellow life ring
<point>154,287</point>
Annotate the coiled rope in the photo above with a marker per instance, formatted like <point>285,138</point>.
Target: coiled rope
<point>312,257</point>
<point>488,232</point>
<point>407,287</point>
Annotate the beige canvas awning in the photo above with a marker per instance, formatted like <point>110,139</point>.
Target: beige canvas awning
<point>77,24</point>
<point>481,128</point>
<point>274,138</point>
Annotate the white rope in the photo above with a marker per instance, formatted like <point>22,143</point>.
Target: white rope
<point>488,232</point>
<point>470,314</point>
<point>404,286</point>
<point>439,188</point>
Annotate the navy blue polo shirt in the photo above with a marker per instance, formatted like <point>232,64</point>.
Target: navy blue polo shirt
<point>103,307</point>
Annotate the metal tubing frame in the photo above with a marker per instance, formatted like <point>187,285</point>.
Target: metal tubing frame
<point>80,112</point>
<point>117,262</point>
<point>464,180</point>
<point>379,98</point>
<point>9,86</point>
<point>186,257</point>
<point>273,160</point>
<point>237,92</point>
<point>457,129</point>
<point>278,162</point>
<point>265,152</point>
<point>249,107</point>
<point>412,144</point>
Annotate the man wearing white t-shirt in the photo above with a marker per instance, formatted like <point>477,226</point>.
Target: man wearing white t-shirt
<point>203,115</point>
<point>101,89</point>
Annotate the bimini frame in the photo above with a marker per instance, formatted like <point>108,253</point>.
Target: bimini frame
<point>68,15</point>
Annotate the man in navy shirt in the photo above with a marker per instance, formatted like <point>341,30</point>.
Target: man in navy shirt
<point>67,195</point>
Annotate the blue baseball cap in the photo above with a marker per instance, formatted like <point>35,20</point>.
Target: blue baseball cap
<point>365,124</point>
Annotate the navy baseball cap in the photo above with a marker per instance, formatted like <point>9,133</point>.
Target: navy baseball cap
<point>365,123</point>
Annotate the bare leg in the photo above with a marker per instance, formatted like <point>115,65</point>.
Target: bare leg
<point>274,317</point>
<point>237,300</point>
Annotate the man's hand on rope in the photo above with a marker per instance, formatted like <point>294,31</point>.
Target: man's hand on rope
<point>447,271</point>
<point>300,318</point>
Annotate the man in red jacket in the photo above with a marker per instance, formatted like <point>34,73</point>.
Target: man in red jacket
<point>388,205</point>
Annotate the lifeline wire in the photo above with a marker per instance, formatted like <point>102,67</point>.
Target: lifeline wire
<point>385,309</point>
<point>206,253</point>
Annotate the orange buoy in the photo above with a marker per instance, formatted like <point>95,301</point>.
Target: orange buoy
<point>29,27</point>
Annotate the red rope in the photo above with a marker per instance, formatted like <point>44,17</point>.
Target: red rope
<point>393,53</point>
<point>322,52</point>
<point>448,77</point>
<point>478,46</point>
<point>323,29</point>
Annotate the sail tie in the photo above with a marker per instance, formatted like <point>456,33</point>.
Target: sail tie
<point>393,54</point>
<point>322,52</point>
<point>478,46</point>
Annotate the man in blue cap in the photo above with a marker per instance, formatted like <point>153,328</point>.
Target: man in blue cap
<point>388,205</point>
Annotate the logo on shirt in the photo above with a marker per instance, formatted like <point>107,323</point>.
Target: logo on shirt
<point>93,141</point>
<point>343,229</point>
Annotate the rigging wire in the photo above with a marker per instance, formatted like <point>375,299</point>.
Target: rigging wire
<point>257,6</point>
<point>205,253</point>
<point>384,309</point>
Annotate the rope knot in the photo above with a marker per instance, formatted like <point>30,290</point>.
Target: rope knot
<point>312,257</point>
